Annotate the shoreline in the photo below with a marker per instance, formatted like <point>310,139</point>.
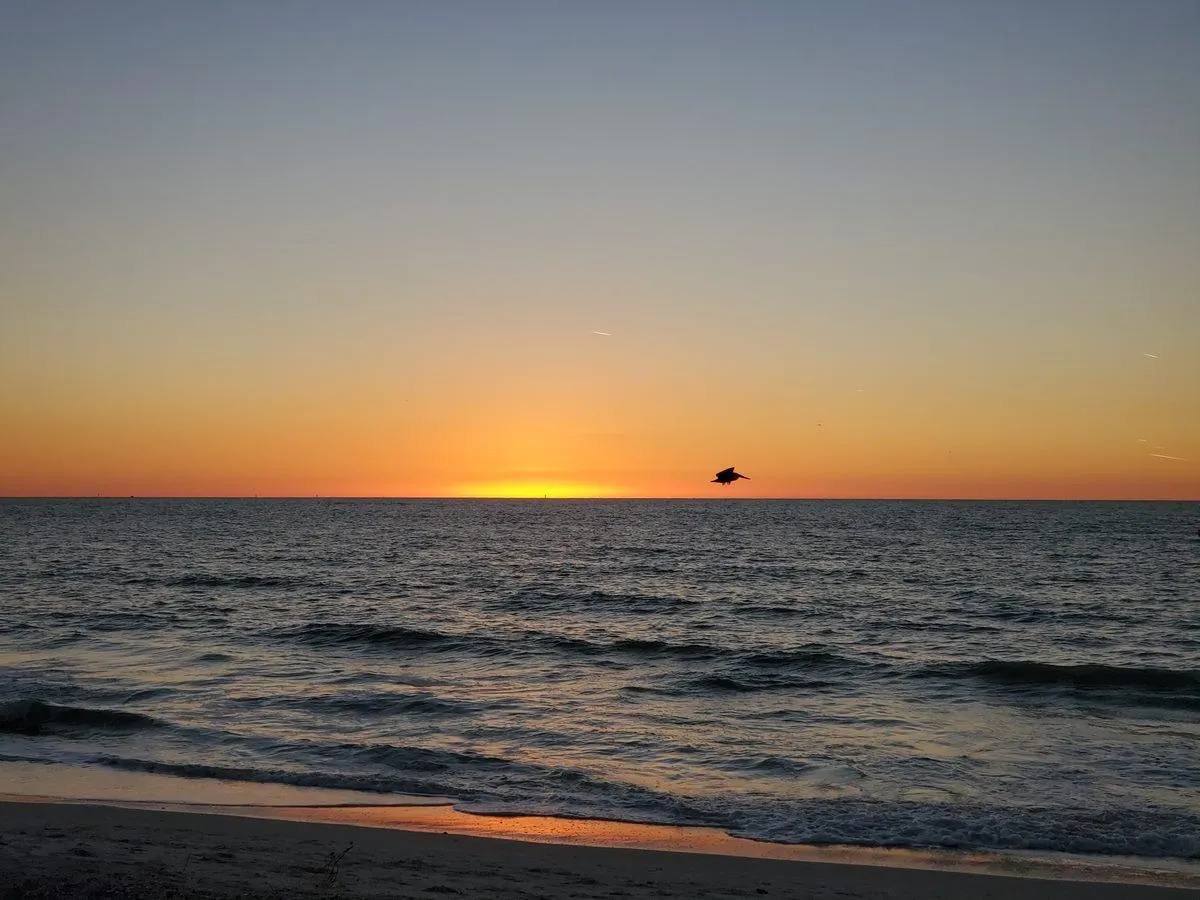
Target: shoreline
<point>88,786</point>
<point>54,848</point>
<point>444,819</point>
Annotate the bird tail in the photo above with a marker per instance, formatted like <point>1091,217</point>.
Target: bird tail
<point>747,477</point>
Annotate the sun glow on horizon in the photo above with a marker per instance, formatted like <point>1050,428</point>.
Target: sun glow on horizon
<point>524,489</point>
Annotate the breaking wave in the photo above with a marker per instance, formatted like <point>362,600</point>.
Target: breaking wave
<point>33,716</point>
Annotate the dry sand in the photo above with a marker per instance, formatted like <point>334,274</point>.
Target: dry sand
<point>71,850</point>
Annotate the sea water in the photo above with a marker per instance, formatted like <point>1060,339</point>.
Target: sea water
<point>985,676</point>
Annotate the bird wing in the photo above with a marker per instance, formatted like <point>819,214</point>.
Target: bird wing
<point>725,473</point>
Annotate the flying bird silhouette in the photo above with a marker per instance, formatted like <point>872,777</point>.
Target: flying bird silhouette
<point>727,477</point>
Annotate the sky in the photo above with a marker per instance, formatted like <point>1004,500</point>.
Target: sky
<point>857,249</point>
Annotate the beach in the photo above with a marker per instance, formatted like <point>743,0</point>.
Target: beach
<point>80,850</point>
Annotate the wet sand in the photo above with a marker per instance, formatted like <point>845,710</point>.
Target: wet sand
<point>50,849</point>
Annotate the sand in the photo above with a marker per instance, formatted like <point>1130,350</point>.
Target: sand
<point>74,850</point>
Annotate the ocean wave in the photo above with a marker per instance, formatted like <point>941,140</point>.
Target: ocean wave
<point>1081,676</point>
<point>475,781</point>
<point>1155,833</point>
<point>234,581</point>
<point>202,579</point>
<point>750,683</point>
<point>590,601</point>
<point>809,657</point>
<point>772,610</point>
<point>642,647</point>
<point>329,634</point>
<point>389,784</point>
<point>407,758</point>
<point>213,657</point>
<point>738,670</point>
<point>62,639</point>
<point>379,705</point>
<point>32,717</point>
<point>796,669</point>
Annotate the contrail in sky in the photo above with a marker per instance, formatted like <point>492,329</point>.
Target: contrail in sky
<point>1150,355</point>
<point>603,333</point>
<point>1164,456</point>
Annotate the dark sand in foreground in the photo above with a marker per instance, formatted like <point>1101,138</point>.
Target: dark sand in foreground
<point>68,850</point>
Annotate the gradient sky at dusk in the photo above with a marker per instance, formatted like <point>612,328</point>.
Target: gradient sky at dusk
<point>882,249</point>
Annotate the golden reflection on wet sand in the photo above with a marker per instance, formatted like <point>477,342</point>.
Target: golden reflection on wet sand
<point>680,839</point>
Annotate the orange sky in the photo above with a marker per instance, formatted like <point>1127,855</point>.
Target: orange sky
<point>598,429</point>
<point>942,256</point>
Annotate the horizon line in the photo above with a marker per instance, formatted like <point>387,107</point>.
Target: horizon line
<point>891,499</point>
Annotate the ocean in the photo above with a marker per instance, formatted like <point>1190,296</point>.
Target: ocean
<point>994,676</point>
